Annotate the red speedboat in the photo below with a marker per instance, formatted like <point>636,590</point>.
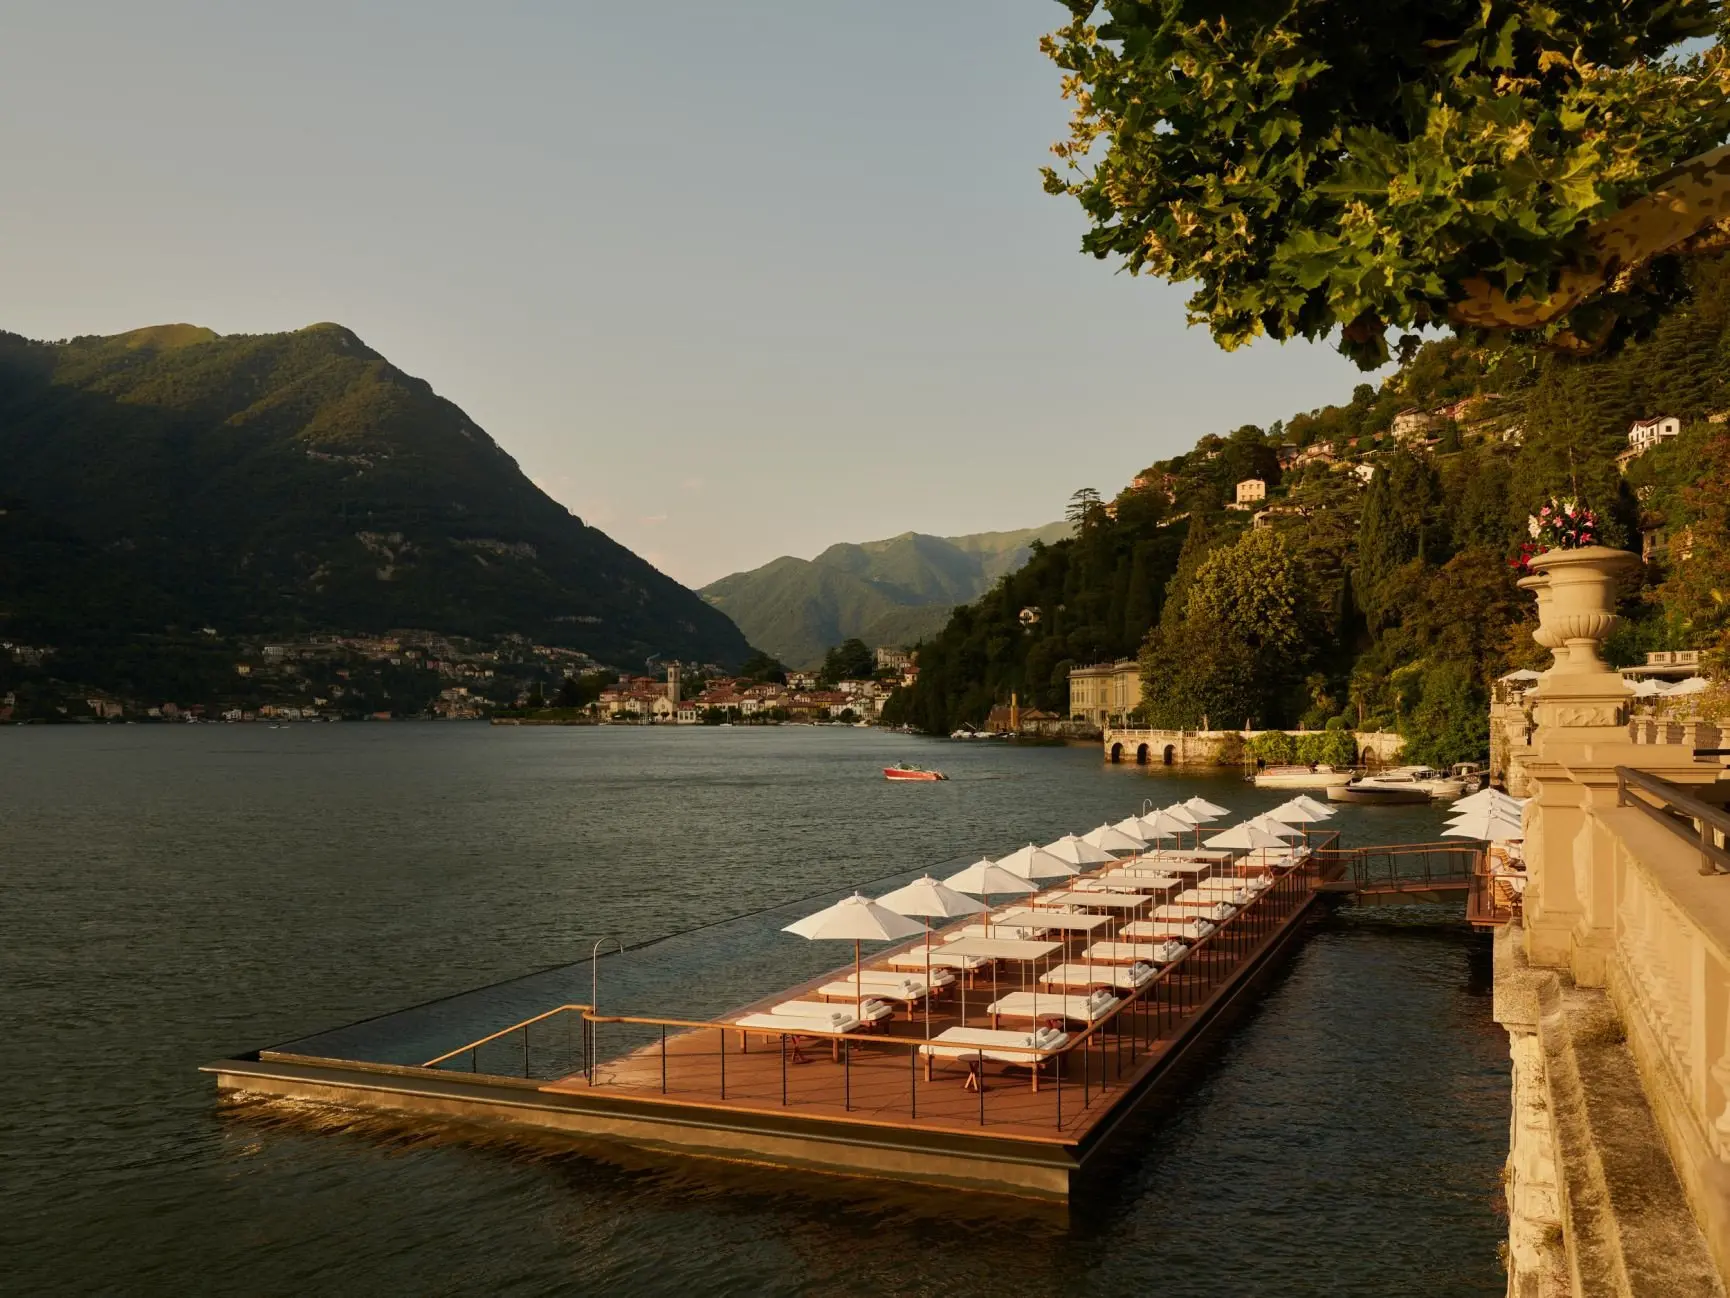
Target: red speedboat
<point>902,771</point>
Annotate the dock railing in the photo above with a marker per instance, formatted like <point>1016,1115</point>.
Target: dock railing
<point>579,1050</point>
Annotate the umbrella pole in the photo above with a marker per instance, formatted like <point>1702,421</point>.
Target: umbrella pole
<point>928,979</point>
<point>858,986</point>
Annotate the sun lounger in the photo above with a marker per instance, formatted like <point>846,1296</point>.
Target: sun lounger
<point>1181,930</point>
<point>1138,952</point>
<point>1214,911</point>
<point>975,1045</point>
<point>868,1010</point>
<point>841,1019</point>
<point>1031,1005</point>
<point>892,986</point>
<point>914,961</point>
<point>1027,932</point>
<point>1057,920</point>
<point>1125,978</point>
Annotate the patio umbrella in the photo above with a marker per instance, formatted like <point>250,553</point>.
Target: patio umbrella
<point>1489,826</point>
<point>1648,688</point>
<point>1245,837</point>
<point>1298,812</point>
<point>856,919</point>
<point>1077,852</point>
<point>1488,797</point>
<point>928,899</point>
<point>984,878</point>
<point>1203,808</point>
<point>1132,826</point>
<point>1035,863</point>
<point>1693,685</point>
<point>1109,838</point>
<point>1163,825</point>
<point>1193,819</point>
<point>1273,825</point>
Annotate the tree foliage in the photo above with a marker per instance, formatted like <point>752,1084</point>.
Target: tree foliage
<point>1316,164</point>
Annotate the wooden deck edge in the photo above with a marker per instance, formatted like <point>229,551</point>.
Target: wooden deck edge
<point>1199,1028</point>
<point>929,1157</point>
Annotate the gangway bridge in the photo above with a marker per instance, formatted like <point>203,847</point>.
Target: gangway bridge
<point>1402,874</point>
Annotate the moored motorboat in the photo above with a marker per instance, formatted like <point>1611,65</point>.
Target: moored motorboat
<point>1405,784</point>
<point>903,771</point>
<point>1321,776</point>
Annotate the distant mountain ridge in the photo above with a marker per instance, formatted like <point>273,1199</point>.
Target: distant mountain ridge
<point>271,484</point>
<point>895,591</point>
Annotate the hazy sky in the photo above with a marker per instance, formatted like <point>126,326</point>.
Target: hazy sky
<point>731,280</point>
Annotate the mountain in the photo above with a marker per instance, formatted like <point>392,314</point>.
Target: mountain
<point>279,483</point>
<point>891,592</point>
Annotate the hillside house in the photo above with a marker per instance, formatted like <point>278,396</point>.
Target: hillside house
<point>1250,492</point>
<point>1644,434</point>
<point>1413,426</point>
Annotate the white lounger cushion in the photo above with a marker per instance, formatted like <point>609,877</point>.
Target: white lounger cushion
<point>1084,1009</point>
<point>940,959</point>
<point>1134,952</point>
<point>867,1011</point>
<point>1111,975</point>
<point>797,1025</point>
<point>908,989</point>
<point>1187,930</point>
<point>970,1043</point>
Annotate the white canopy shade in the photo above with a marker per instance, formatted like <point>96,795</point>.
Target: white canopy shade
<point>1245,837</point>
<point>1490,826</point>
<point>1032,862</point>
<point>1078,852</point>
<point>1524,674</point>
<point>1294,813</point>
<point>1133,827</point>
<point>1180,812</point>
<point>1494,798</point>
<point>1160,825</point>
<point>1693,685</point>
<point>856,918</point>
<point>1109,838</point>
<point>986,878</point>
<point>1647,688</point>
<point>1204,810</point>
<point>929,899</point>
<point>1318,810</point>
<point>1278,828</point>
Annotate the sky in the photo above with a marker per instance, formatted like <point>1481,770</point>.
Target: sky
<point>730,281</point>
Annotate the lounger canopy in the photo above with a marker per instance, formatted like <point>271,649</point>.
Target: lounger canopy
<point>1054,920</point>
<point>1004,948</point>
<point>1090,897</point>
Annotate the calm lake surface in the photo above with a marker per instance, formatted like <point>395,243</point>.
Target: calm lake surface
<point>175,895</point>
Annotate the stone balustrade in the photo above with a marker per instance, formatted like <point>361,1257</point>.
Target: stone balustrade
<point>1615,989</point>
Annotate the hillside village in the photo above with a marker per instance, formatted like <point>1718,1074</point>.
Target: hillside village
<point>803,696</point>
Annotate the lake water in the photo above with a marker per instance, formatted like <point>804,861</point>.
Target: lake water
<point>175,895</point>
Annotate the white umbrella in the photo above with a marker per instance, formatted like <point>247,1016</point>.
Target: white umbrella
<point>1320,810</point>
<point>1273,825</point>
<point>1205,809</point>
<point>1077,852</point>
<point>1298,812</point>
<point>1132,827</point>
<point>1109,838</point>
<point>985,877</point>
<point>1245,837</point>
<point>1161,825</point>
<point>1035,863</point>
<point>1489,797</point>
<point>929,900</point>
<point>1490,826</point>
<point>1194,819</point>
<point>1648,688</point>
<point>856,919</point>
<point>1693,685</point>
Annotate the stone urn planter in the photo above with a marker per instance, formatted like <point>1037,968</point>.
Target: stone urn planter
<point>1576,592</point>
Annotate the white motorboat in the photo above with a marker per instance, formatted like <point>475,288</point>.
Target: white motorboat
<point>1320,776</point>
<point>1401,785</point>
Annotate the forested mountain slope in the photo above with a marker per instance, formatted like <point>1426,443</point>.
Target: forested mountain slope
<point>292,482</point>
<point>1385,602</point>
<point>890,592</point>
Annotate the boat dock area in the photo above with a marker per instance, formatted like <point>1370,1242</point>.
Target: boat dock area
<point>1090,1017</point>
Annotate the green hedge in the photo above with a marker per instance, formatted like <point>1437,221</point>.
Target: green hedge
<point>1321,747</point>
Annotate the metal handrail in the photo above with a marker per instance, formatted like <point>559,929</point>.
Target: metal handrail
<point>1078,1038</point>
<point>1706,818</point>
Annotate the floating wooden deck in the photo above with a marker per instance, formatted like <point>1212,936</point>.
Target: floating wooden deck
<point>868,1102</point>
